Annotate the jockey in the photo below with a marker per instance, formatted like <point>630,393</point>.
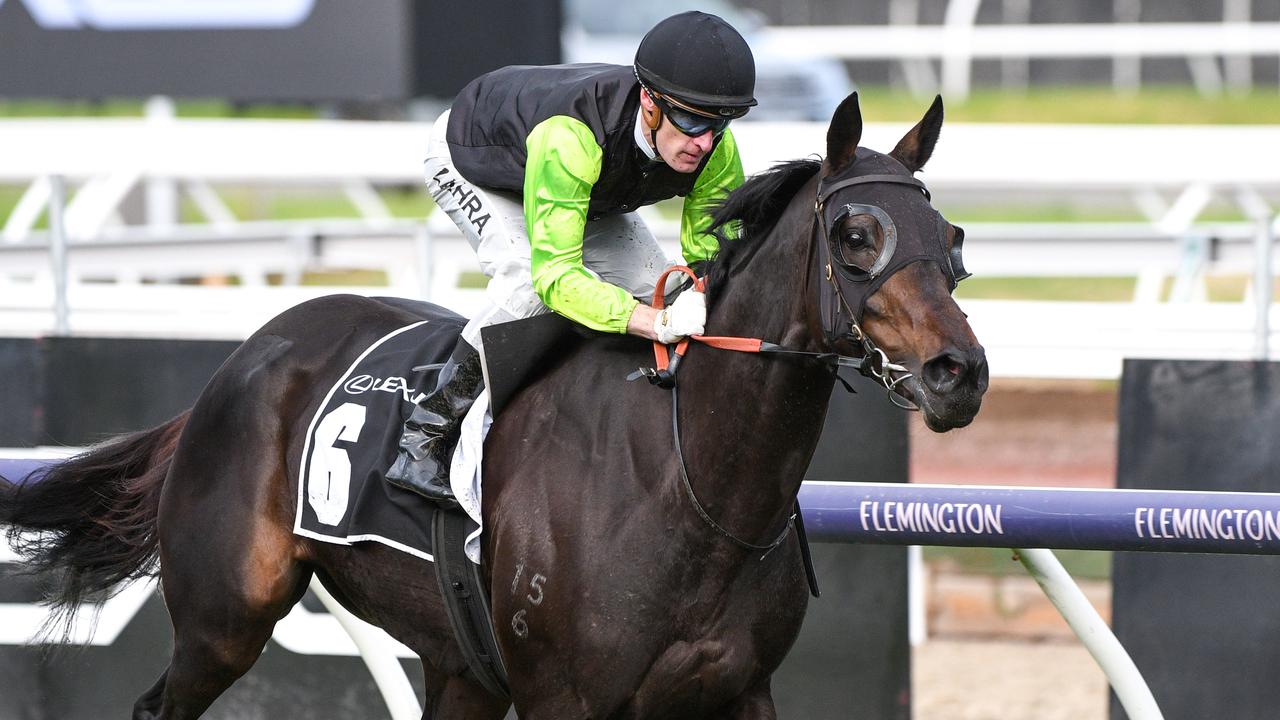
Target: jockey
<point>542,168</point>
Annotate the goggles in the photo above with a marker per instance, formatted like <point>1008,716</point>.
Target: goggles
<point>692,122</point>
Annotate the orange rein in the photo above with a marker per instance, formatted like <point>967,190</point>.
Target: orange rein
<point>663,356</point>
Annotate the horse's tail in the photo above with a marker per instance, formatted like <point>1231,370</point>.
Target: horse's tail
<point>89,522</point>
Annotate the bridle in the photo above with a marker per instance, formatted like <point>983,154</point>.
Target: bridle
<point>840,323</point>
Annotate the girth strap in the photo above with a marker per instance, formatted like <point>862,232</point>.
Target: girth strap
<point>466,600</point>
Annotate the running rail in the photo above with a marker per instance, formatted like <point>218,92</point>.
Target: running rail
<point>1061,518</point>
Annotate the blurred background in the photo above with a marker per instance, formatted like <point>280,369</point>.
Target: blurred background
<point>183,170</point>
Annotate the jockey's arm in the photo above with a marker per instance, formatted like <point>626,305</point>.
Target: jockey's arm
<point>563,165</point>
<point>721,176</point>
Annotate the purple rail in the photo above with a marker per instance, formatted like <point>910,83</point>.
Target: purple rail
<point>14,469</point>
<point>1022,517</point>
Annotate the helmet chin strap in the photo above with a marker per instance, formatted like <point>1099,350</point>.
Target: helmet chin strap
<point>652,120</point>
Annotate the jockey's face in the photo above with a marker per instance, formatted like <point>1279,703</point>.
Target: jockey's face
<point>683,153</point>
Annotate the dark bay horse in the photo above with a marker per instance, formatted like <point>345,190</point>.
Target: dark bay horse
<point>613,596</point>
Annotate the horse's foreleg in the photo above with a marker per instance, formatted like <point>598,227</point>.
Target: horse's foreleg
<point>148,706</point>
<point>450,697</point>
<point>754,704</point>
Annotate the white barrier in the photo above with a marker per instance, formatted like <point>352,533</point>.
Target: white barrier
<point>106,159</point>
<point>1030,339</point>
<point>110,156</point>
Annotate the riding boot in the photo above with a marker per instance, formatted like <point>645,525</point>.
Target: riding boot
<point>431,431</point>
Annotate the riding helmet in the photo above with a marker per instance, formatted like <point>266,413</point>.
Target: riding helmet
<point>699,60</point>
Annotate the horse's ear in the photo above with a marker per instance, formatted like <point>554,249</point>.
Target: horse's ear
<point>843,135</point>
<point>914,149</point>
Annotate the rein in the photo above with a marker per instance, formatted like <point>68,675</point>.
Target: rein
<point>875,364</point>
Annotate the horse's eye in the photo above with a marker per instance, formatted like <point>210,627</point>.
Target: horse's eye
<point>855,238</point>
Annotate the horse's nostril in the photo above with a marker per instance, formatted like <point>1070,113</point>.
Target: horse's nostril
<point>947,370</point>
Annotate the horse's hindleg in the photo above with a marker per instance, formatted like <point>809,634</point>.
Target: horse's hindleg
<point>227,577</point>
<point>216,640</point>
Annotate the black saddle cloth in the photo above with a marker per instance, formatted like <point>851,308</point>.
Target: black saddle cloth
<point>353,436</point>
<point>352,439</point>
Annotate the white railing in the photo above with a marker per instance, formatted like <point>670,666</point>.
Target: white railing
<point>1036,339</point>
<point>959,41</point>
<point>1171,173</point>
<point>1175,170</point>
<point>417,256</point>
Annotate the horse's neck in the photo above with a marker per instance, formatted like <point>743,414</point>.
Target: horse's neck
<point>751,422</point>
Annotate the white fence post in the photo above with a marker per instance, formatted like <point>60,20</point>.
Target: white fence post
<point>917,597</point>
<point>375,650</point>
<point>1111,656</point>
<point>957,53</point>
<point>1262,283</point>
<point>161,191</point>
<point>58,253</point>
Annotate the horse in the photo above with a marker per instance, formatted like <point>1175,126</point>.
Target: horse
<point>635,569</point>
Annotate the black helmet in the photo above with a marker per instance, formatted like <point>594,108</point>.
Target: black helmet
<point>699,61</point>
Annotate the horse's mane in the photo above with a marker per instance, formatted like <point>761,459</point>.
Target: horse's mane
<point>745,217</point>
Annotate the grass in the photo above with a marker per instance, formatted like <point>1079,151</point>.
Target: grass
<point>408,202</point>
<point>246,203</point>
<point>1174,104</point>
<point>123,107</point>
<point>1069,212</point>
<point>1093,289</point>
<point>1218,288</point>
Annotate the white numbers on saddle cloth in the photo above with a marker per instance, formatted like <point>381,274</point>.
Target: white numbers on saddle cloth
<point>329,472</point>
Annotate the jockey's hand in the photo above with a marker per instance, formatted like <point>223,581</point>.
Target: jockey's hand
<point>686,316</point>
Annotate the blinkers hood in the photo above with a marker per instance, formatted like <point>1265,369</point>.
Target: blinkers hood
<point>701,61</point>
<point>923,241</point>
